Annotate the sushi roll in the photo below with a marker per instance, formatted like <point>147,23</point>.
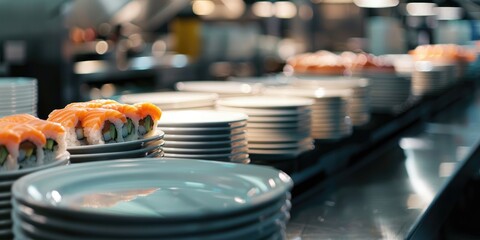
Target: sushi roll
<point>71,120</point>
<point>9,142</point>
<point>103,125</point>
<point>28,150</point>
<point>54,133</point>
<point>130,129</point>
<point>149,114</point>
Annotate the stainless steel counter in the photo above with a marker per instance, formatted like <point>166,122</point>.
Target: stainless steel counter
<point>400,191</point>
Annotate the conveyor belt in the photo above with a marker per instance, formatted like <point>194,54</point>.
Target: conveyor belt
<point>403,183</point>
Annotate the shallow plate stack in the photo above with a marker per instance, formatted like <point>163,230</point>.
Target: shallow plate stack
<point>205,134</point>
<point>388,92</point>
<point>429,78</point>
<point>153,199</point>
<point>278,128</point>
<point>222,88</point>
<point>359,101</point>
<point>6,181</point>
<point>18,95</point>
<point>151,147</point>
<point>174,100</point>
<point>329,110</point>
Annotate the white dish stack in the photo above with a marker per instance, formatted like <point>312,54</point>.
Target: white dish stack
<point>388,92</point>
<point>7,179</point>
<point>205,134</point>
<point>278,128</point>
<point>18,95</point>
<point>222,88</point>
<point>153,199</point>
<point>174,100</point>
<point>359,101</point>
<point>330,120</point>
<point>430,78</point>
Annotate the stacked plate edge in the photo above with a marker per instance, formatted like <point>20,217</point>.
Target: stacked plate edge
<point>173,100</point>
<point>150,146</point>
<point>359,101</point>
<point>278,128</point>
<point>18,95</point>
<point>430,78</point>
<point>205,134</point>
<point>388,91</point>
<point>222,88</point>
<point>329,118</point>
<point>145,199</point>
<point>7,178</point>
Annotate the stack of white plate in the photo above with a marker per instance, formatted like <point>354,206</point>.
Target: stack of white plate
<point>153,199</point>
<point>329,110</point>
<point>7,179</point>
<point>429,78</point>
<point>278,128</point>
<point>359,101</point>
<point>18,95</point>
<point>174,100</point>
<point>150,147</point>
<point>222,88</point>
<point>205,134</point>
<point>388,91</point>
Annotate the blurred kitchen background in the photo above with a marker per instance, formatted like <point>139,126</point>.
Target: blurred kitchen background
<point>83,49</point>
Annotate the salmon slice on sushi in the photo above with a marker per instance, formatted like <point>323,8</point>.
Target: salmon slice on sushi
<point>28,152</point>
<point>54,133</point>
<point>130,129</point>
<point>149,114</point>
<point>9,142</point>
<point>103,125</point>
<point>71,120</point>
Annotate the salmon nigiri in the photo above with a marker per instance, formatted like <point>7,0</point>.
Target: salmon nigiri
<point>103,125</point>
<point>149,115</point>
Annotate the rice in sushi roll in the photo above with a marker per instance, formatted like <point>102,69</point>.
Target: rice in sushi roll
<point>71,120</point>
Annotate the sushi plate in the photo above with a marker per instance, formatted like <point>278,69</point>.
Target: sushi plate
<point>199,118</point>
<point>61,160</point>
<point>136,153</point>
<point>149,178</point>
<point>116,147</point>
<point>272,146</point>
<point>289,125</point>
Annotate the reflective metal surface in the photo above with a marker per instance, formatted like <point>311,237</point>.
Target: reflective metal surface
<point>386,198</point>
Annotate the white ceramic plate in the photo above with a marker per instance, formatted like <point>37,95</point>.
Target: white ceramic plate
<point>227,150</point>
<point>198,118</point>
<point>172,99</point>
<point>141,189</point>
<point>205,156</point>
<point>206,144</point>
<point>133,229</point>
<point>266,102</point>
<point>204,130</point>
<point>221,87</point>
<point>205,138</point>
